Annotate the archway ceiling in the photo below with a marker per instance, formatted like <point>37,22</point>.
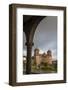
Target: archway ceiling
<point>29,25</point>
<point>29,17</point>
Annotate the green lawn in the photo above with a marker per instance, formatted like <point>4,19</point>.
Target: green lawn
<point>44,68</point>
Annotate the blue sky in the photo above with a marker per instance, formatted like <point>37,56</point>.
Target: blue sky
<point>45,37</point>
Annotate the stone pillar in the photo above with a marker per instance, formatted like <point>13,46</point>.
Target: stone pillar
<point>29,54</point>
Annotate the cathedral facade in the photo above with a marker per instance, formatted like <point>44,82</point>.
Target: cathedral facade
<point>42,58</point>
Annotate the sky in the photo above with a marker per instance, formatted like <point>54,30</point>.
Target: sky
<point>45,37</point>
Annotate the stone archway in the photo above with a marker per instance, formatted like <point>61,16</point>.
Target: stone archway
<point>29,27</point>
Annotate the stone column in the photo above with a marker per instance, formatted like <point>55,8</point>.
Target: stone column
<point>29,54</point>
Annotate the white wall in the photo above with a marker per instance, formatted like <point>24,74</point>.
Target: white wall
<point>4,44</point>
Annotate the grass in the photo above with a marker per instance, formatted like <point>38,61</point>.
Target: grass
<point>44,68</point>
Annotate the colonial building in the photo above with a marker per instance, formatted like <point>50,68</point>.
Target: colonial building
<point>38,59</point>
<point>42,58</point>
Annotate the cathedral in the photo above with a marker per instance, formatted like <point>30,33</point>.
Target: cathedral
<point>42,58</point>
